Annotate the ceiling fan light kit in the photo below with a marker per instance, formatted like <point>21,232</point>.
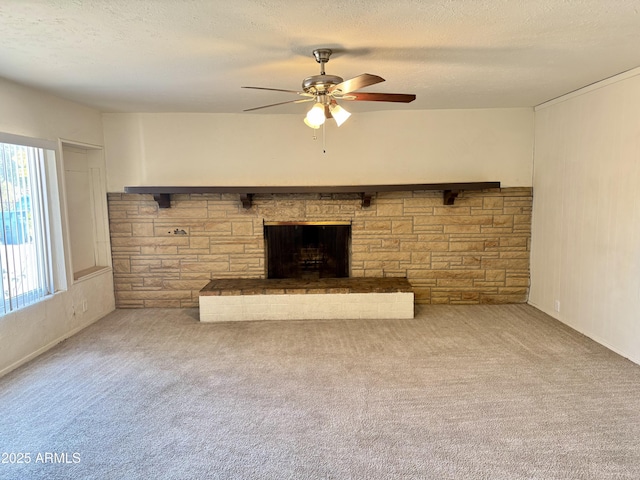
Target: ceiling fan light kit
<point>315,117</point>
<point>325,91</point>
<point>338,113</point>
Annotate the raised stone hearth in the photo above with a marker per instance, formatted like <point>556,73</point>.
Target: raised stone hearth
<point>283,299</point>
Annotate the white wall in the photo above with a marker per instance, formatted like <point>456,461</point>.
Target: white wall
<point>385,147</point>
<point>586,212</point>
<point>30,331</point>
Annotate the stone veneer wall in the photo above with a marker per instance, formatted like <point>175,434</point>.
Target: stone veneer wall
<point>476,251</point>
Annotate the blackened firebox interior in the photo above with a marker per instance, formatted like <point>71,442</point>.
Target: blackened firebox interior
<point>307,251</point>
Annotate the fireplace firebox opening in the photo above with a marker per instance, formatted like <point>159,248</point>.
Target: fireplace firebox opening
<point>307,250</point>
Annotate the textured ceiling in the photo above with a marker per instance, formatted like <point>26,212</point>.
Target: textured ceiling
<point>193,55</point>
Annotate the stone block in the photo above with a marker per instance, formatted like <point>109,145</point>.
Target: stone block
<point>401,227</point>
<point>199,242</point>
<point>118,227</point>
<point>514,254</point>
<point>447,257</point>
<point>186,284</point>
<point>482,284</point>
<point>512,291</point>
<point>492,244</point>
<point>517,281</point>
<point>170,264</point>
<point>433,237</point>
<point>377,226</point>
<point>205,267</point>
<point>505,264</point>
<point>219,227</point>
<point>451,210</point>
<point>462,229</point>
<point>473,297</point>
<point>469,199</point>
<point>522,219</point>
<point>389,244</point>
<point>440,265</point>
<point>490,231</point>
<point>503,221</point>
<point>502,299</point>
<point>121,265</point>
<point>149,241</point>
<point>495,275</point>
<point>466,246</point>
<point>193,251</point>
<point>514,241</point>
<point>140,269</point>
<point>428,228</point>
<point>454,220</point>
<point>398,256</point>
<point>492,203</point>
<point>159,250</point>
<point>164,213</point>
<point>219,248</point>
<point>426,202</point>
<point>456,282</point>
<point>422,294</point>
<point>380,265</point>
<point>471,261</point>
<point>420,258</point>
<point>389,209</point>
<point>152,283</point>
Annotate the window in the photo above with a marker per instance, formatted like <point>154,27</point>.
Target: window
<point>25,258</point>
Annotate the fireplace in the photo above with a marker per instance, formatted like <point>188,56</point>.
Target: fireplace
<point>307,250</point>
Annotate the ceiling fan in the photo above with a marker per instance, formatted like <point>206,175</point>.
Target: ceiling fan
<point>325,91</point>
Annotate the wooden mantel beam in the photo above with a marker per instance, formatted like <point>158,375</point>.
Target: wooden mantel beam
<point>450,190</point>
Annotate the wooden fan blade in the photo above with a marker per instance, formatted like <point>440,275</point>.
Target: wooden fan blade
<point>281,103</point>
<point>355,83</point>
<point>278,90</point>
<point>380,97</point>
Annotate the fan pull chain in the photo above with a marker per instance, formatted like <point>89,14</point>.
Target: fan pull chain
<point>324,139</point>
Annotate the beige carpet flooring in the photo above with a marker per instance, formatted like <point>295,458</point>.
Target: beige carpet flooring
<point>477,392</point>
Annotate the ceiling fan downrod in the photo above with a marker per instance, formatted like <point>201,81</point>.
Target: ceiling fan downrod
<point>322,56</point>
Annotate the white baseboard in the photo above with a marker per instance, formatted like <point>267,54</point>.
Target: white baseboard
<point>593,337</point>
<point>49,345</point>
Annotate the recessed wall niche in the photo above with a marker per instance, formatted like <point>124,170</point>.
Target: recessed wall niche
<point>85,202</point>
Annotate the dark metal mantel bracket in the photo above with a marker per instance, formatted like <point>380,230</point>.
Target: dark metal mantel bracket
<point>162,199</point>
<point>450,191</point>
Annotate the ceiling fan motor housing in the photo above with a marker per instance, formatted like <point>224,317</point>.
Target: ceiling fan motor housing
<point>317,84</point>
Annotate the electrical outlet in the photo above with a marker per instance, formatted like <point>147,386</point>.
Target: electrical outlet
<point>85,306</point>
<point>556,306</point>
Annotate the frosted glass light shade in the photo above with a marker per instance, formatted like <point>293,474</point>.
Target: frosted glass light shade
<point>309,124</point>
<point>339,113</point>
<point>315,116</point>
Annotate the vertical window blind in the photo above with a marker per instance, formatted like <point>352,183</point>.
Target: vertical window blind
<point>24,241</point>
